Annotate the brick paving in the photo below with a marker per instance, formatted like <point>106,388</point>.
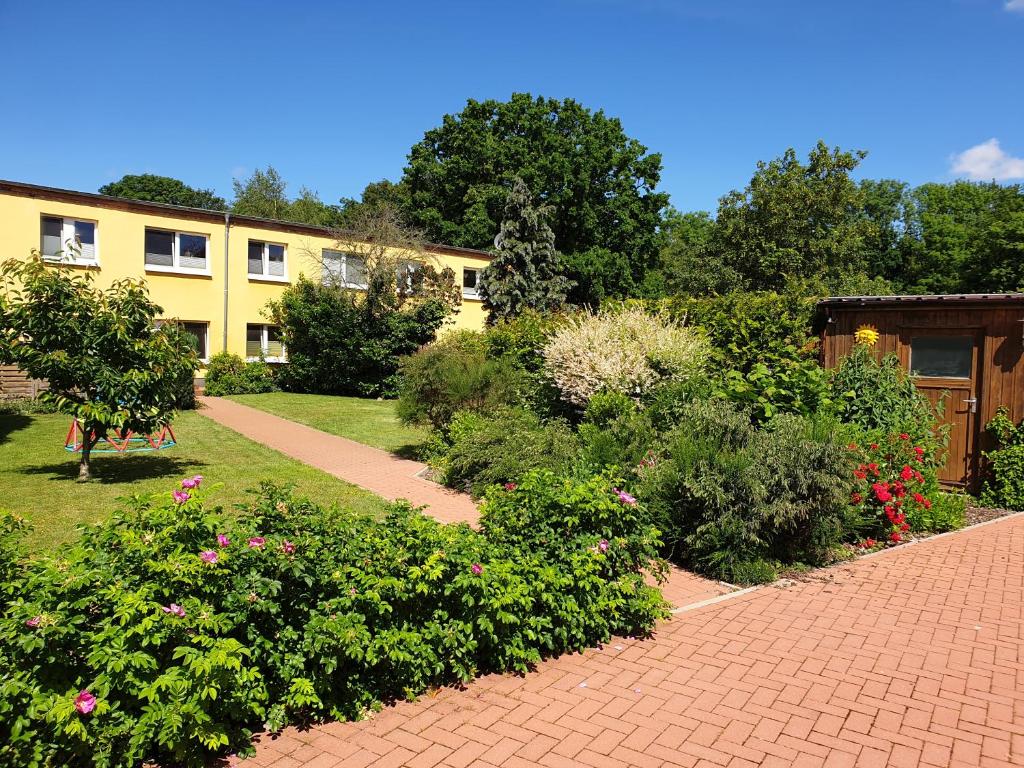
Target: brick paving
<point>391,477</point>
<point>908,658</point>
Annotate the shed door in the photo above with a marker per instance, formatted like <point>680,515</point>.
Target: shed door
<point>946,363</point>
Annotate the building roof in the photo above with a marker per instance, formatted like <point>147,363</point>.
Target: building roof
<point>22,189</point>
<point>922,300</point>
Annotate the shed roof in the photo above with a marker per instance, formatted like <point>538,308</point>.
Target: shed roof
<point>922,300</point>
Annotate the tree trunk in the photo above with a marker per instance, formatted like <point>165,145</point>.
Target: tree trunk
<point>83,464</point>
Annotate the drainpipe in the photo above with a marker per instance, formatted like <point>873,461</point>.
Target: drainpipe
<point>227,275</point>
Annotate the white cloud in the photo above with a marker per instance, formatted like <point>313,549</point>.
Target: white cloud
<point>1015,5</point>
<point>988,161</point>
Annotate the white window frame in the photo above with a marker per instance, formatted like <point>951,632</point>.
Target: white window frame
<point>330,276</point>
<point>68,255</point>
<point>264,343</point>
<point>471,293</point>
<point>265,276</point>
<point>175,267</point>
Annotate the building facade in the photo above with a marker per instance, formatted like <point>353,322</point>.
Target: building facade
<point>966,353</point>
<point>213,272</point>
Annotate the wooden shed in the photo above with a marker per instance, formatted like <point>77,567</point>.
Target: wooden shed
<point>965,350</point>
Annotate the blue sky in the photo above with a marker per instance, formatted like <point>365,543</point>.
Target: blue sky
<point>334,94</point>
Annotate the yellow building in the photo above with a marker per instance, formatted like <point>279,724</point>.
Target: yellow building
<point>212,271</point>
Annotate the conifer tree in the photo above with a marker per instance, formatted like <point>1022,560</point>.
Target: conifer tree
<point>524,273</point>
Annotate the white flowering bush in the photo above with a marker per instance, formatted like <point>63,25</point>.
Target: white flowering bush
<point>627,351</point>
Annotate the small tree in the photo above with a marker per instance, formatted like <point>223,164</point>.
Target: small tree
<point>106,362</point>
<point>524,273</point>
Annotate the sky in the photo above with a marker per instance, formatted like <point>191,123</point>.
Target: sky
<point>333,94</point>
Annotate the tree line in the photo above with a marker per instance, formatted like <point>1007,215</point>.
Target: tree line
<point>561,192</point>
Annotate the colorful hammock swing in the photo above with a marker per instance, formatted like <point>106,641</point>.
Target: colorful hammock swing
<point>119,440</point>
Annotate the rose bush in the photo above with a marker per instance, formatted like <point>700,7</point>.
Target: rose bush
<point>172,632</point>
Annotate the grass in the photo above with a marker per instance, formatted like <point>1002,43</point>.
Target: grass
<point>38,477</point>
<point>372,422</point>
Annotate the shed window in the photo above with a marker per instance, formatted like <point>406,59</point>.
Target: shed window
<point>946,357</point>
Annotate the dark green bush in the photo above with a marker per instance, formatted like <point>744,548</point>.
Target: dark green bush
<point>615,433</point>
<point>1004,482</point>
<point>184,385</point>
<point>178,630</point>
<point>25,406</point>
<point>520,342</point>
<point>502,447</point>
<point>725,493</point>
<point>454,374</point>
<point>229,374</point>
<point>341,342</point>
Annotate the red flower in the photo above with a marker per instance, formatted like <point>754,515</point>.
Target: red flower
<point>904,436</point>
<point>918,498</point>
<point>906,473</point>
<point>874,447</point>
<point>904,526</point>
<point>919,450</point>
<point>918,476</point>
<point>873,468</point>
<point>856,498</point>
<point>860,474</point>
<point>895,537</point>
<point>927,504</point>
<point>869,543</point>
<point>852,446</point>
<point>890,511</point>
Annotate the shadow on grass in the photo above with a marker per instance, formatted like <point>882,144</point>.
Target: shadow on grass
<point>412,451</point>
<point>12,422</point>
<point>118,469</point>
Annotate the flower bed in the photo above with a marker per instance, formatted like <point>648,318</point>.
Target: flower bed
<point>172,632</point>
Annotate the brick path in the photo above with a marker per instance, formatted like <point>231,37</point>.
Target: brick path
<point>911,657</point>
<point>391,477</point>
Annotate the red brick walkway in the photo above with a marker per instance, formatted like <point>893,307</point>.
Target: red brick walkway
<point>391,477</point>
<point>912,657</point>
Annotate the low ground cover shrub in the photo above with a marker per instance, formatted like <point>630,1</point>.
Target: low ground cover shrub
<point>626,350</point>
<point>171,632</point>
<point>1004,481</point>
<point>228,374</point>
<point>454,374</point>
<point>483,450</point>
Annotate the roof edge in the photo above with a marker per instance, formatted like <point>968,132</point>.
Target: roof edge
<point>25,189</point>
<point>901,300</point>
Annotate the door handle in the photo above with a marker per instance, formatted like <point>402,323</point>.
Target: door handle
<point>973,403</point>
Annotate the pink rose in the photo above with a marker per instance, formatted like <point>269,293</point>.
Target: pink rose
<point>174,609</point>
<point>85,702</point>
<point>477,569</point>
<point>257,542</point>
<point>287,547</point>
<point>180,497</point>
<point>223,540</point>
<point>208,556</point>
<point>33,622</point>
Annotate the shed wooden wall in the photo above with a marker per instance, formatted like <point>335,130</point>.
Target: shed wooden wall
<point>16,383</point>
<point>1002,372</point>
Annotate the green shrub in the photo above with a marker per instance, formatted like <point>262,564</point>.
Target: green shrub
<point>346,342</point>
<point>229,374</point>
<point>948,512</point>
<point>184,383</point>
<point>171,632</point>
<point>501,448</point>
<point>25,406</point>
<point>880,398</point>
<point>747,572</point>
<point>615,433</point>
<point>454,374</point>
<point>627,351</point>
<point>520,341</point>
<point>1004,482</point>
<point>724,492</point>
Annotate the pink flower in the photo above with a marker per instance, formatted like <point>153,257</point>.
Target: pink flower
<point>189,482</point>
<point>603,545</point>
<point>223,540</point>
<point>625,498</point>
<point>175,609</point>
<point>33,622</point>
<point>85,702</point>
<point>208,556</point>
<point>352,591</point>
<point>257,542</point>
<point>180,497</point>
<point>477,569</point>
<point>287,547</point>
<point>510,486</point>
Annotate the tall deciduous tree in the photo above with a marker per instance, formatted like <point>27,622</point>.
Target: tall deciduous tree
<point>599,183</point>
<point>163,189</point>
<point>107,364</point>
<point>795,220</point>
<point>262,195</point>
<point>524,273</point>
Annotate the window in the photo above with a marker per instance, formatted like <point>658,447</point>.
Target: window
<point>264,340</point>
<point>470,283</point>
<point>344,269</point>
<point>198,330</point>
<point>72,240</point>
<point>947,357</point>
<point>266,260</point>
<point>406,272</point>
<point>175,251</point>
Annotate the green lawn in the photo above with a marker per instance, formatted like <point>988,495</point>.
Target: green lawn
<point>37,476</point>
<point>372,422</point>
